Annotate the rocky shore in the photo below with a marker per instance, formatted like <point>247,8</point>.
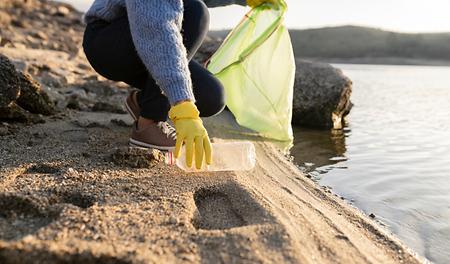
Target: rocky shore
<point>71,190</point>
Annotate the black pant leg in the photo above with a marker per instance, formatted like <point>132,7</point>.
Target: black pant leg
<point>195,26</point>
<point>208,90</point>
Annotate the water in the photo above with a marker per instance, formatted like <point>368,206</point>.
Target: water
<point>393,159</point>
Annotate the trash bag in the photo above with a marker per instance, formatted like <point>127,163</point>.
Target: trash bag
<point>257,68</point>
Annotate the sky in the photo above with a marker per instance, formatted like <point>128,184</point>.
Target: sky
<point>412,16</point>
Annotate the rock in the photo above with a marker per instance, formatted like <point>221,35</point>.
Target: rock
<point>61,11</point>
<point>77,99</point>
<point>321,96</point>
<point>41,35</point>
<point>20,23</point>
<point>5,19</point>
<point>58,99</point>
<point>9,82</point>
<point>32,98</point>
<point>17,113</point>
<point>4,130</point>
<point>137,157</point>
<point>108,107</point>
<point>122,122</point>
<point>91,122</point>
<point>4,41</point>
<point>21,96</point>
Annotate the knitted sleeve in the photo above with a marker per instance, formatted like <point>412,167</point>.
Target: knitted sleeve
<point>156,30</point>
<point>216,3</point>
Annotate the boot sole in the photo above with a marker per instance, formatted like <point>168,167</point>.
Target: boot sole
<point>136,143</point>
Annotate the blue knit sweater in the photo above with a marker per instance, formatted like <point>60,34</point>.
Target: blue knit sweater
<point>155,27</point>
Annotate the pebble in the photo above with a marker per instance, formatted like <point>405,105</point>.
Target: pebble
<point>4,131</point>
<point>41,35</point>
<point>61,11</point>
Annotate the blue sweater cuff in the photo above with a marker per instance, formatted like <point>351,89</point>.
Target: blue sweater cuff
<point>178,89</point>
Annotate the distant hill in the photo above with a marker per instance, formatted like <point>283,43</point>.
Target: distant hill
<point>349,43</point>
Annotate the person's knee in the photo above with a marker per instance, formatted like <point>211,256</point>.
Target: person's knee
<point>213,102</point>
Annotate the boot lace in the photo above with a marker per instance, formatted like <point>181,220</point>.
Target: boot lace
<point>168,130</point>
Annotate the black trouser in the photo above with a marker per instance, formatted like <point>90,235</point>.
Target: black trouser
<point>110,50</point>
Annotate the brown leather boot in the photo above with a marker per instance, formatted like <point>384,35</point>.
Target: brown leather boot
<point>159,135</point>
<point>132,105</point>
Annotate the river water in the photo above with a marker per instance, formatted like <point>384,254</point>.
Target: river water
<point>393,158</point>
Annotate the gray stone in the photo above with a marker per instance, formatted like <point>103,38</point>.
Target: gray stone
<point>321,96</point>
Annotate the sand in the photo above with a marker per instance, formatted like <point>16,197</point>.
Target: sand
<point>63,200</point>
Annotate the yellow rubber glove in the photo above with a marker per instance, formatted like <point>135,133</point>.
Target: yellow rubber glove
<point>190,131</point>
<point>255,3</point>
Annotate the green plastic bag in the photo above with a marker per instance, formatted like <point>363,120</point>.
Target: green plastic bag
<point>257,67</point>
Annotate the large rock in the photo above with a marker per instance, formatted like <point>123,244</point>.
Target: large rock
<point>32,97</point>
<point>9,82</point>
<point>321,95</point>
<point>20,96</point>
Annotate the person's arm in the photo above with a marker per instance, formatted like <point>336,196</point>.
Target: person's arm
<point>217,3</point>
<point>155,28</point>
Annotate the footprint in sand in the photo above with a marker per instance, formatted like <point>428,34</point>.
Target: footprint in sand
<point>43,168</point>
<point>78,199</point>
<point>227,206</point>
<point>215,211</point>
<point>21,216</point>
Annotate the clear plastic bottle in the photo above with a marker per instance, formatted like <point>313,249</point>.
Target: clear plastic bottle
<point>227,156</point>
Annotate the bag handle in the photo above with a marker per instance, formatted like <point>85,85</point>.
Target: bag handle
<point>281,5</point>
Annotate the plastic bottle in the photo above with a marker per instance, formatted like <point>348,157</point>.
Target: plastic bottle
<point>227,156</point>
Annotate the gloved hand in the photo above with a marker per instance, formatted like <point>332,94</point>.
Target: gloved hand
<point>255,3</point>
<point>190,131</point>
